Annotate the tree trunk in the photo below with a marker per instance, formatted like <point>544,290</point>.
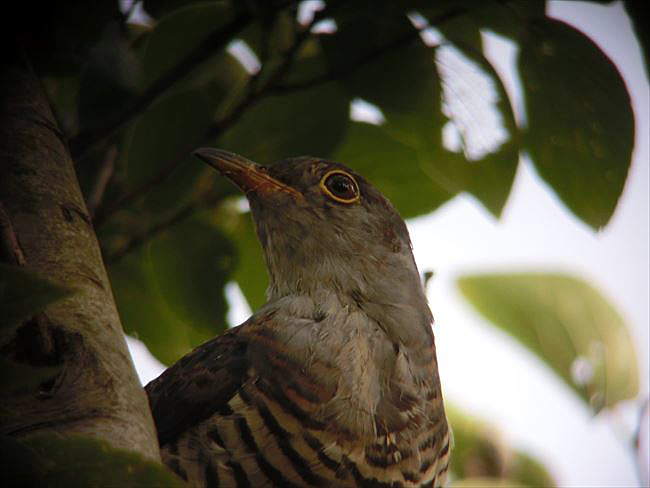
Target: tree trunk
<point>96,392</point>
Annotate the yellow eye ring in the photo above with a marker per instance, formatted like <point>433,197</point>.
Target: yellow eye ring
<point>340,186</point>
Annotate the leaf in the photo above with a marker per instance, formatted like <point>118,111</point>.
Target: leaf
<point>166,133</point>
<point>191,264</point>
<point>381,59</point>
<point>109,80</point>
<point>307,122</point>
<point>24,293</point>
<point>486,161</point>
<point>170,293</point>
<point>568,324</point>
<point>54,461</point>
<point>480,458</point>
<point>179,33</point>
<point>250,273</point>
<point>580,121</point>
<point>409,96</point>
<point>638,17</point>
<point>396,169</point>
<point>57,37</point>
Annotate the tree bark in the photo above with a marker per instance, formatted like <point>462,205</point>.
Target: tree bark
<point>96,392</point>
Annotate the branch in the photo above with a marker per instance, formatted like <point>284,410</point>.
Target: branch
<point>184,212</point>
<point>252,94</point>
<point>101,182</point>
<point>85,141</point>
<point>365,59</point>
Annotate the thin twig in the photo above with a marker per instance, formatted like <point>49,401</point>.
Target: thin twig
<point>363,60</point>
<point>104,213</point>
<point>101,182</point>
<point>252,93</point>
<point>86,141</point>
<point>183,213</point>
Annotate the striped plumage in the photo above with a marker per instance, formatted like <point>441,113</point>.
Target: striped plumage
<point>328,384</point>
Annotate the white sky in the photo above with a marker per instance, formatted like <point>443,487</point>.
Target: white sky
<point>482,369</point>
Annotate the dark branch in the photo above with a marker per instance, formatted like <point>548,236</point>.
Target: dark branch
<point>103,213</point>
<point>363,60</point>
<point>252,93</point>
<point>86,141</point>
<point>183,213</point>
<point>101,182</point>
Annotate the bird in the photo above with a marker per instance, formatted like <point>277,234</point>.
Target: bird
<point>334,381</point>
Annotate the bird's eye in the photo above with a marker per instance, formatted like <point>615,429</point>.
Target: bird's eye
<point>340,186</point>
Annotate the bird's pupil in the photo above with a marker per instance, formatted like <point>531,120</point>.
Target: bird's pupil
<point>341,186</point>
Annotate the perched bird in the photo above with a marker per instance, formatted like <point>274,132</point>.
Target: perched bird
<point>334,381</point>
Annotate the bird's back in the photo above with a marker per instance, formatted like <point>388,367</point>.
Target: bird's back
<point>292,398</point>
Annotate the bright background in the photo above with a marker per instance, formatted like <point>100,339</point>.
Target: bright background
<point>483,370</point>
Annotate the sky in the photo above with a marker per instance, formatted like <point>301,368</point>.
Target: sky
<point>483,370</point>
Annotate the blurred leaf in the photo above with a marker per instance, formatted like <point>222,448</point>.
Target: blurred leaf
<point>270,37</point>
<point>639,18</point>
<point>160,8</point>
<point>580,122</point>
<point>250,273</point>
<point>396,169</point>
<point>310,121</point>
<point>180,32</point>
<point>191,264</point>
<point>63,94</point>
<point>480,458</point>
<point>58,35</point>
<point>23,293</point>
<point>170,293</point>
<point>53,461</point>
<point>362,49</point>
<point>568,324</point>
<point>409,96</point>
<point>528,471</point>
<point>110,78</point>
<point>167,131</point>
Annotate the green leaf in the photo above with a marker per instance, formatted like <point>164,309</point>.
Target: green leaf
<point>396,169</point>
<point>362,50</point>
<point>250,273</point>
<point>54,461</point>
<point>480,457</point>
<point>191,264</point>
<point>23,293</point>
<point>409,96</point>
<point>180,32</point>
<point>568,324</point>
<point>307,122</point>
<point>580,122</point>
<point>488,171</point>
<point>110,79</point>
<point>167,132</point>
<point>170,293</point>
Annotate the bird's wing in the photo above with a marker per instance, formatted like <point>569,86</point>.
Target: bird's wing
<point>198,384</point>
<point>204,381</point>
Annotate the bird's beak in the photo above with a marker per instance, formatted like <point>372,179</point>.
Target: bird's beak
<point>246,174</point>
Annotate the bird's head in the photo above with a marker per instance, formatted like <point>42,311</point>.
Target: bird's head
<point>324,227</point>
